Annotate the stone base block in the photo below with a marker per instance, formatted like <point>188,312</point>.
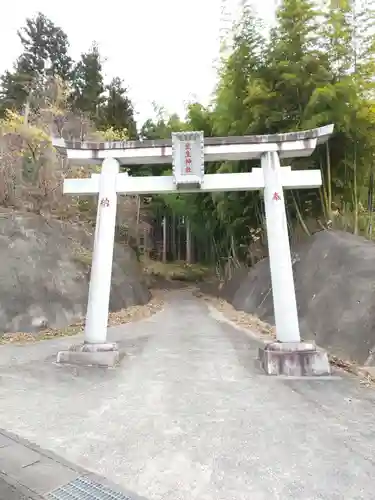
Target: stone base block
<point>294,359</point>
<point>102,355</point>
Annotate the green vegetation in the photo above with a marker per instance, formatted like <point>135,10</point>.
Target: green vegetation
<point>83,256</point>
<point>176,271</point>
<point>316,66</point>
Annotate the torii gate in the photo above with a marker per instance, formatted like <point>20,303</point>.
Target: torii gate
<point>188,151</point>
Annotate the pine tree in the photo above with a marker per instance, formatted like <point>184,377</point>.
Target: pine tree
<point>117,110</point>
<point>88,86</point>
<point>45,48</point>
<point>15,89</point>
<point>44,56</point>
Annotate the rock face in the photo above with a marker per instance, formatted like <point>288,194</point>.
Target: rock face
<point>334,274</point>
<point>45,269</point>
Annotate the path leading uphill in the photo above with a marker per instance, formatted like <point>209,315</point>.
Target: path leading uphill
<point>189,415</point>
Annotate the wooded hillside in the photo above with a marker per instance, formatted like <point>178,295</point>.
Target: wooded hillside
<point>317,66</point>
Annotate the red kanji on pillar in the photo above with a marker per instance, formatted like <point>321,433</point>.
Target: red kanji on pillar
<point>276,196</point>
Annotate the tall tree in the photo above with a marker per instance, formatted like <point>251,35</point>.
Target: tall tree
<point>46,48</point>
<point>45,55</point>
<point>295,66</point>
<point>88,86</point>
<point>238,76</point>
<point>347,37</point>
<point>117,110</point>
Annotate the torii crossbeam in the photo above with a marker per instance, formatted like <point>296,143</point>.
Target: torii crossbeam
<point>188,151</point>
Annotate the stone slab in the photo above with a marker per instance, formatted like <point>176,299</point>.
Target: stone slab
<point>5,441</point>
<point>9,491</point>
<point>291,346</point>
<point>294,360</point>
<point>86,347</point>
<point>25,444</point>
<point>15,457</point>
<point>46,473</point>
<point>99,355</point>
<point>44,476</point>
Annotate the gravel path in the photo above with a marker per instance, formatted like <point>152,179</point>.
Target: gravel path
<point>189,415</point>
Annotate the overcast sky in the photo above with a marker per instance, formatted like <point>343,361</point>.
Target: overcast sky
<point>165,50</point>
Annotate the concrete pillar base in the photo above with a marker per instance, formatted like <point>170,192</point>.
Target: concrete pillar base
<point>102,355</point>
<point>294,359</point>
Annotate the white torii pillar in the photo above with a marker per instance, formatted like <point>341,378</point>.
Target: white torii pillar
<point>282,281</point>
<point>96,350</point>
<point>288,355</point>
<point>102,259</point>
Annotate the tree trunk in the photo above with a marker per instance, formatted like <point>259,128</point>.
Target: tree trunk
<point>299,216</point>
<point>323,192</point>
<point>188,241</point>
<point>174,247</point>
<point>179,239</point>
<point>27,111</point>
<point>355,194</point>
<point>329,182</point>
<point>138,216</point>
<point>164,239</point>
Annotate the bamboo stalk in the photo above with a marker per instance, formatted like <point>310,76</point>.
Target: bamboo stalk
<point>299,216</point>
<point>329,181</point>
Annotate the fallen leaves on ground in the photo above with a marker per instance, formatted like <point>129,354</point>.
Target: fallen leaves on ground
<point>367,378</point>
<point>240,318</point>
<point>130,314</point>
<point>17,337</point>
<point>135,313</point>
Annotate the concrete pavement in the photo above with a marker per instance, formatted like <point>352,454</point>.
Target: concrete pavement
<point>28,472</point>
<point>9,491</point>
<point>189,415</point>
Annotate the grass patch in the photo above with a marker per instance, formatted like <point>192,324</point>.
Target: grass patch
<point>178,271</point>
<point>82,255</point>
